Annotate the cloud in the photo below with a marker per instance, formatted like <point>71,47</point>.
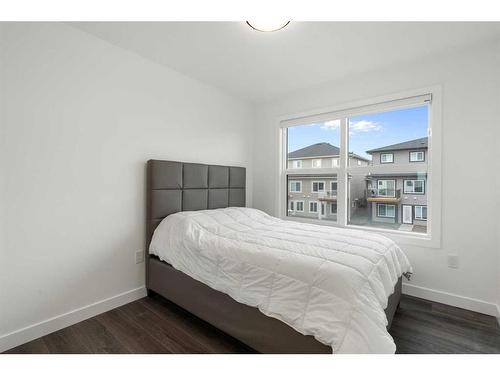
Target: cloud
<point>331,125</point>
<point>363,126</point>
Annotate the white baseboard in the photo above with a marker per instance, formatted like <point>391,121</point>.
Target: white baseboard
<point>451,299</point>
<point>24,335</point>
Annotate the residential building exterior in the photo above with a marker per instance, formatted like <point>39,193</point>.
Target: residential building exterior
<point>316,196</point>
<point>397,199</point>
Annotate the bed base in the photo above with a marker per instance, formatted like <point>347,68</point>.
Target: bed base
<point>245,323</point>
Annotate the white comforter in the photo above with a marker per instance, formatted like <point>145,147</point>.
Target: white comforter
<point>332,283</point>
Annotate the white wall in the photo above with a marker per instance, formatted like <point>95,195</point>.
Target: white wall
<point>79,119</point>
<point>470,80</point>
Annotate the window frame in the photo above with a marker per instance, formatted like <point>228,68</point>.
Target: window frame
<point>416,152</point>
<point>432,96</point>
<point>317,205</point>
<point>386,205</point>
<point>290,186</point>
<point>413,192</point>
<point>318,182</point>
<point>395,187</point>
<point>299,161</point>
<point>295,205</point>
<point>387,162</point>
<point>320,163</point>
<point>421,206</point>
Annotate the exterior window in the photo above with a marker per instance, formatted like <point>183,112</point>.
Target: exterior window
<point>416,156</point>
<point>333,187</point>
<point>386,158</point>
<point>291,206</point>
<point>386,188</point>
<point>316,163</point>
<point>318,186</point>
<point>420,212</point>
<point>414,186</point>
<point>369,176</point>
<point>313,207</point>
<point>296,186</point>
<point>386,210</point>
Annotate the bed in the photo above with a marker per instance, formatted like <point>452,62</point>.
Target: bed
<point>238,268</point>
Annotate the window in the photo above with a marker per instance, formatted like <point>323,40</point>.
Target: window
<point>316,163</point>
<point>364,184</point>
<point>386,188</point>
<point>386,210</point>
<point>296,186</point>
<point>420,212</point>
<point>318,186</point>
<point>333,187</point>
<point>414,187</point>
<point>290,206</point>
<point>313,207</point>
<point>296,164</point>
<point>299,206</point>
<point>386,158</point>
<point>416,156</point>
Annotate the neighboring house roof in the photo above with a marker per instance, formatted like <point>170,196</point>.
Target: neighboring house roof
<point>317,150</point>
<point>408,145</point>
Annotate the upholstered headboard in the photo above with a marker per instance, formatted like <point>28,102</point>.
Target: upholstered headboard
<point>174,186</point>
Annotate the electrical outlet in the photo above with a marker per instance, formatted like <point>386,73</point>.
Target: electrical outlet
<point>453,261</point>
<point>139,256</point>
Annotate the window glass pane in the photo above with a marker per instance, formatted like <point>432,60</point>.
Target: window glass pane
<point>387,193</point>
<point>316,199</point>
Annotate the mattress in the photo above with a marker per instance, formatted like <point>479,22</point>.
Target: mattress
<point>331,283</point>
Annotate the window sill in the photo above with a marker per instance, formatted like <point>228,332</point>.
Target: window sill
<point>401,238</point>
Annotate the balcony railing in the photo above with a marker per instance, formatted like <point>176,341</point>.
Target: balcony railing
<point>383,195</point>
<point>328,196</point>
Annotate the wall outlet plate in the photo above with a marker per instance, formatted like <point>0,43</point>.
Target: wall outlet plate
<point>139,256</point>
<point>453,261</point>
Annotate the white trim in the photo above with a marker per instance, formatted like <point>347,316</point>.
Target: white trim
<point>417,160</point>
<point>295,205</point>
<point>421,206</point>
<point>451,299</point>
<point>432,238</point>
<point>295,182</point>
<point>384,154</point>
<point>317,207</point>
<point>386,205</point>
<point>413,180</point>
<point>318,182</point>
<point>318,160</point>
<point>34,331</point>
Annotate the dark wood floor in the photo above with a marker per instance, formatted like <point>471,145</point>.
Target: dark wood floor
<point>154,325</point>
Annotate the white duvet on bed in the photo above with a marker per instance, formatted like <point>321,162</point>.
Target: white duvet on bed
<point>332,283</point>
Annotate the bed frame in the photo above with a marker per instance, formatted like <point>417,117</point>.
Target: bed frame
<point>176,186</point>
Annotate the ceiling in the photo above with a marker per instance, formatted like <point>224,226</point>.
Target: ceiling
<point>260,66</point>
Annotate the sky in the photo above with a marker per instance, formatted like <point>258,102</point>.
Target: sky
<point>365,131</point>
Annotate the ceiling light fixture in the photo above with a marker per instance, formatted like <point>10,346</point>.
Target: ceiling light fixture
<point>267,25</point>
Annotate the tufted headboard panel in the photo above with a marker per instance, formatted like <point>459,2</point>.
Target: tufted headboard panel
<point>174,186</point>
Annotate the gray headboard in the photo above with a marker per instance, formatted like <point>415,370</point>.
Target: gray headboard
<point>174,186</point>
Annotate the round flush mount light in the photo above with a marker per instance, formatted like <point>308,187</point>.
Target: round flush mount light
<point>267,25</point>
